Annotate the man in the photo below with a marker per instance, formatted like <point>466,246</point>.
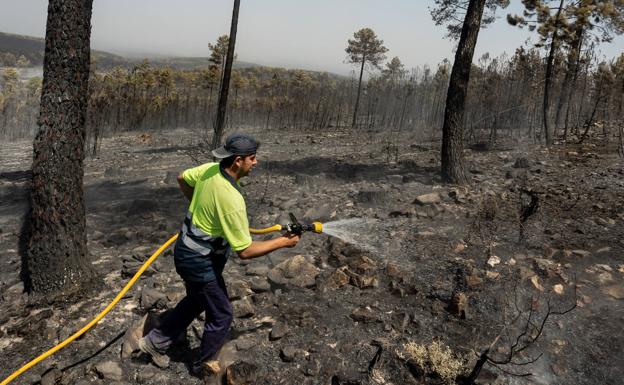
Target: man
<point>216,222</point>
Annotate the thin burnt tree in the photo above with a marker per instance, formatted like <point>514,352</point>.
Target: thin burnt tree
<point>225,83</point>
<point>364,48</point>
<point>55,259</point>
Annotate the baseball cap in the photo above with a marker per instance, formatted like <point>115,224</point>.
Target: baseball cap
<point>237,144</point>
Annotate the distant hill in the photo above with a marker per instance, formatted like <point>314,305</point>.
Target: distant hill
<point>32,48</point>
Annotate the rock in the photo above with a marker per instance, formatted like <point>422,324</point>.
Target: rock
<point>259,284</point>
<point>558,288</point>
<point>615,291</point>
<point>493,261</point>
<point>257,269</point>
<point>290,353</point>
<point>245,343</point>
<point>458,305</point>
<point>604,278</point>
<point>521,163</point>
<point>393,271</point>
<point>280,329</point>
<point>337,279</point>
<point>363,265</point>
<point>243,308</point>
<point>400,322</point>
<point>312,368</point>
<point>109,370</point>
<point>242,373</point>
<point>52,377</point>
<point>581,253</point>
<point>492,275</point>
<point>604,267</point>
<point>364,314</point>
<point>428,199</point>
<point>361,281</point>
<point>295,271</point>
<point>148,374</point>
<point>153,299</point>
<point>473,281</point>
<point>402,211</point>
<point>238,289</point>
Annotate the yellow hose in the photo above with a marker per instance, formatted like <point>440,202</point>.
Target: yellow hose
<point>96,319</point>
<point>263,231</point>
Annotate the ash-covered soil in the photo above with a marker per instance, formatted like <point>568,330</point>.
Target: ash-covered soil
<point>535,229</point>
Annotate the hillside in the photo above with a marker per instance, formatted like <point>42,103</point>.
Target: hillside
<point>32,48</point>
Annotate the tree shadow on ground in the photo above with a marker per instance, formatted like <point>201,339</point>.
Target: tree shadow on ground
<point>346,171</point>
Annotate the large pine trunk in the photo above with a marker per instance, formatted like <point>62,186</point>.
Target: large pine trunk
<point>453,128</point>
<point>55,259</point>
<point>225,85</point>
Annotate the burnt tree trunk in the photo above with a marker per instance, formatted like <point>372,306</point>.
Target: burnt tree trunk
<point>453,170</point>
<point>570,77</point>
<point>55,259</point>
<point>554,44</point>
<point>227,73</point>
<point>357,99</point>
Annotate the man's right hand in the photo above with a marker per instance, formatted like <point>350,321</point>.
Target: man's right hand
<point>291,240</point>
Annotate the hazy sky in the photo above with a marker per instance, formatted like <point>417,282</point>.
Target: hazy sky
<point>292,33</point>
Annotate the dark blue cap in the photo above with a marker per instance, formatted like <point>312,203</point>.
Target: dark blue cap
<point>237,144</point>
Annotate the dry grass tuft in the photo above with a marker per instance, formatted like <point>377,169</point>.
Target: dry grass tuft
<point>435,358</point>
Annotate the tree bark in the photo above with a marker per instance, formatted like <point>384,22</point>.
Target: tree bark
<point>55,259</point>
<point>357,98</point>
<point>453,169</point>
<point>570,77</point>
<point>227,73</point>
<point>554,44</point>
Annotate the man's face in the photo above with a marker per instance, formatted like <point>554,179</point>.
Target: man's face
<point>246,164</point>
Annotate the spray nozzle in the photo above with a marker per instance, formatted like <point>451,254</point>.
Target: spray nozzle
<point>298,228</point>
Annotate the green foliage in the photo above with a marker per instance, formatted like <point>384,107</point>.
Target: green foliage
<point>452,12</point>
<point>366,47</point>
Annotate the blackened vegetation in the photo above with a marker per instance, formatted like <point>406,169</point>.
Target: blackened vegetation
<point>56,255</point>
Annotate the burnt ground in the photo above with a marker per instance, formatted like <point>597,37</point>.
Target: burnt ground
<point>454,268</point>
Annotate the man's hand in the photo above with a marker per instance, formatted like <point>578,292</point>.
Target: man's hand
<point>291,240</point>
<point>260,248</point>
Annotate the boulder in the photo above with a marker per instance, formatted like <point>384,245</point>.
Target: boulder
<point>428,199</point>
<point>259,284</point>
<point>364,314</point>
<point>295,271</point>
<point>153,299</point>
<point>242,373</point>
<point>109,370</point>
<point>280,329</point>
<point>243,308</point>
<point>238,289</point>
<point>290,353</point>
<point>337,279</point>
<point>458,305</point>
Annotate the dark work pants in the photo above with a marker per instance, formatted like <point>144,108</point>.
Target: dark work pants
<point>209,297</point>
